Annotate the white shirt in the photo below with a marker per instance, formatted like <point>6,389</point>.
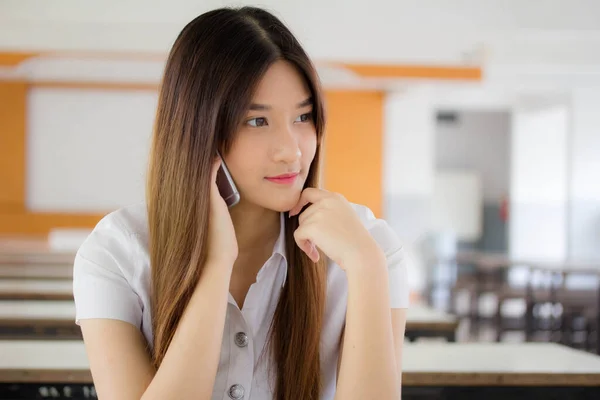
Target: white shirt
<point>111,279</point>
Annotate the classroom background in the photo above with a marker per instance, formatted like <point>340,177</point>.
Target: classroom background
<point>472,127</point>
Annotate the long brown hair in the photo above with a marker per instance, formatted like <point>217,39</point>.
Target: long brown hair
<point>211,73</point>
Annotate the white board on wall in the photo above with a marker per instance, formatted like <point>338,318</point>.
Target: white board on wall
<point>458,204</point>
<point>87,150</point>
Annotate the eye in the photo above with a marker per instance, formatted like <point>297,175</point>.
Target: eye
<point>257,122</point>
<point>304,117</point>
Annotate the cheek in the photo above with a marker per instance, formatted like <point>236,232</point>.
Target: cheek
<point>308,147</point>
<point>243,160</point>
<point>235,160</point>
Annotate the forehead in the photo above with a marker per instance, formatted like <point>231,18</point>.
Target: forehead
<point>282,85</point>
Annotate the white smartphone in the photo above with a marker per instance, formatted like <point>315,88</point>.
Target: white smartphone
<point>226,185</point>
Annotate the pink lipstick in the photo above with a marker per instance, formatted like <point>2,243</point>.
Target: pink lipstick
<point>284,179</point>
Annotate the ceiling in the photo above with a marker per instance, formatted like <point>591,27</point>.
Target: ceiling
<point>525,45</point>
<point>509,31</point>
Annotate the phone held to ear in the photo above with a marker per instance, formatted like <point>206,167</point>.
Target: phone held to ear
<point>226,186</point>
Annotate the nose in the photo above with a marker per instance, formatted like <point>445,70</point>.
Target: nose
<point>286,148</point>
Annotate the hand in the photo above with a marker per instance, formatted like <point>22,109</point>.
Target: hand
<point>222,243</point>
<point>331,224</point>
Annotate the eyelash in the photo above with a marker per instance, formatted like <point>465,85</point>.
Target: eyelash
<point>307,115</point>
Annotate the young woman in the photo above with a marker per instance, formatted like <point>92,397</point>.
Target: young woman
<point>294,293</point>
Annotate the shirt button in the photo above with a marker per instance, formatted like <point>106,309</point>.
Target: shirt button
<point>236,392</point>
<point>241,339</point>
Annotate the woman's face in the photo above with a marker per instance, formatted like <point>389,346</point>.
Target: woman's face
<point>277,137</point>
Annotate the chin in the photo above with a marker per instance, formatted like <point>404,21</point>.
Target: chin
<point>281,205</point>
<point>279,202</point>
<point>272,198</point>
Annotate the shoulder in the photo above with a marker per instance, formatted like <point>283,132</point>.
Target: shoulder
<point>128,220</point>
<point>117,239</point>
<point>110,273</point>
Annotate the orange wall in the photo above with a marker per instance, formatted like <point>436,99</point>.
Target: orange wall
<point>352,157</point>
<point>37,223</point>
<point>353,147</point>
<point>15,219</point>
<point>12,145</point>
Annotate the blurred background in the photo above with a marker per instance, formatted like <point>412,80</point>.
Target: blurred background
<point>472,127</point>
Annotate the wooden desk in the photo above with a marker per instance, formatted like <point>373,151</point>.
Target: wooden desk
<point>30,369</point>
<point>36,289</point>
<point>36,257</point>
<point>36,271</point>
<point>498,371</point>
<point>431,370</point>
<point>35,319</point>
<point>424,321</point>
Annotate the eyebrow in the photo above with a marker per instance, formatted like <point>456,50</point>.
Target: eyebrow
<point>264,107</point>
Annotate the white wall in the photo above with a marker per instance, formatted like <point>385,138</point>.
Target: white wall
<point>584,174</point>
<point>408,165</point>
<point>512,32</point>
<point>409,125</point>
<point>585,168</point>
<point>408,171</point>
<point>538,213</point>
<point>87,149</point>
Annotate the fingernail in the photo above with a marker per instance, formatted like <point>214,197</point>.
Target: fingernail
<point>315,253</point>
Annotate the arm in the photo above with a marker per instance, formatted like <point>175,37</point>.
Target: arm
<point>369,369</point>
<point>121,365</point>
<point>398,329</point>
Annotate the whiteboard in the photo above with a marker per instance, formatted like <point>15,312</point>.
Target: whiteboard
<point>458,204</point>
<point>87,149</point>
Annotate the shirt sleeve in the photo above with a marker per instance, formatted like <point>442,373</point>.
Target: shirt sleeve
<point>391,245</point>
<point>102,265</point>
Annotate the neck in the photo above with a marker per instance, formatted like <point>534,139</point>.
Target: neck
<point>256,228</point>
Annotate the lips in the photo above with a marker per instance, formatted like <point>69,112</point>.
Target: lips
<point>284,179</point>
<point>284,176</point>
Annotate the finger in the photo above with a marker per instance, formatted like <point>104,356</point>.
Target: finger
<point>306,245</point>
<point>309,212</point>
<point>309,195</point>
<point>310,249</point>
<point>314,255</point>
